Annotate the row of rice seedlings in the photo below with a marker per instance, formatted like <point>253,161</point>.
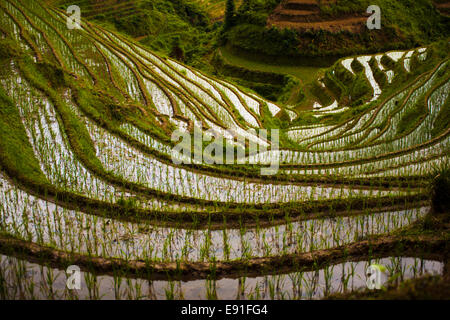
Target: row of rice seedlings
<point>132,165</point>
<point>87,54</point>
<point>145,139</point>
<point>234,94</point>
<point>194,89</point>
<point>125,69</point>
<point>249,118</point>
<point>342,278</point>
<point>375,116</point>
<point>388,134</point>
<point>152,143</point>
<point>435,103</point>
<point>188,112</point>
<point>415,169</point>
<point>357,127</point>
<point>219,111</point>
<point>337,130</point>
<point>348,127</point>
<point>21,20</point>
<point>58,162</point>
<point>435,98</point>
<point>239,131</point>
<point>186,72</point>
<point>420,135</point>
<point>202,88</point>
<point>20,279</point>
<point>416,157</point>
<point>132,86</point>
<point>160,100</point>
<point>65,52</point>
<point>298,135</point>
<point>253,104</point>
<point>380,118</point>
<point>41,222</point>
<point>26,217</point>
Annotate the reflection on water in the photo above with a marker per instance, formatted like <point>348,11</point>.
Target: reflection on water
<point>24,280</point>
<point>25,216</point>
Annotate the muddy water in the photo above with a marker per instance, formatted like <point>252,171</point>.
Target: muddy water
<point>20,279</point>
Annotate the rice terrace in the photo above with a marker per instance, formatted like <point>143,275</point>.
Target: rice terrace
<point>254,149</point>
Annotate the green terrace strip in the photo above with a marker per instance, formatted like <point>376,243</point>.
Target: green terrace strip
<point>374,248</point>
<point>90,174</point>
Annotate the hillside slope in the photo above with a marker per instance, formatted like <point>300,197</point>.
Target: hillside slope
<point>306,15</point>
<point>308,28</point>
<point>175,28</point>
<point>92,172</point>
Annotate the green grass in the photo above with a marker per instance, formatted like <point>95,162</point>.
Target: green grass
<point>443,120</point>
<point>8,49</point>
<point>13,138</point>
<point>409,119</point>
<point>360,90</point>
<point>215,8</point>
<point>12,132</point>
<point>440,188</point>
<point>298,69</point>
<point>77,133</point>
<point>177,28</point>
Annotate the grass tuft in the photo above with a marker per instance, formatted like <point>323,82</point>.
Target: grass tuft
<point>440,188</point>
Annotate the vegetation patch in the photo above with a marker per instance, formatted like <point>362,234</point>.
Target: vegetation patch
<point>12,138</point>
